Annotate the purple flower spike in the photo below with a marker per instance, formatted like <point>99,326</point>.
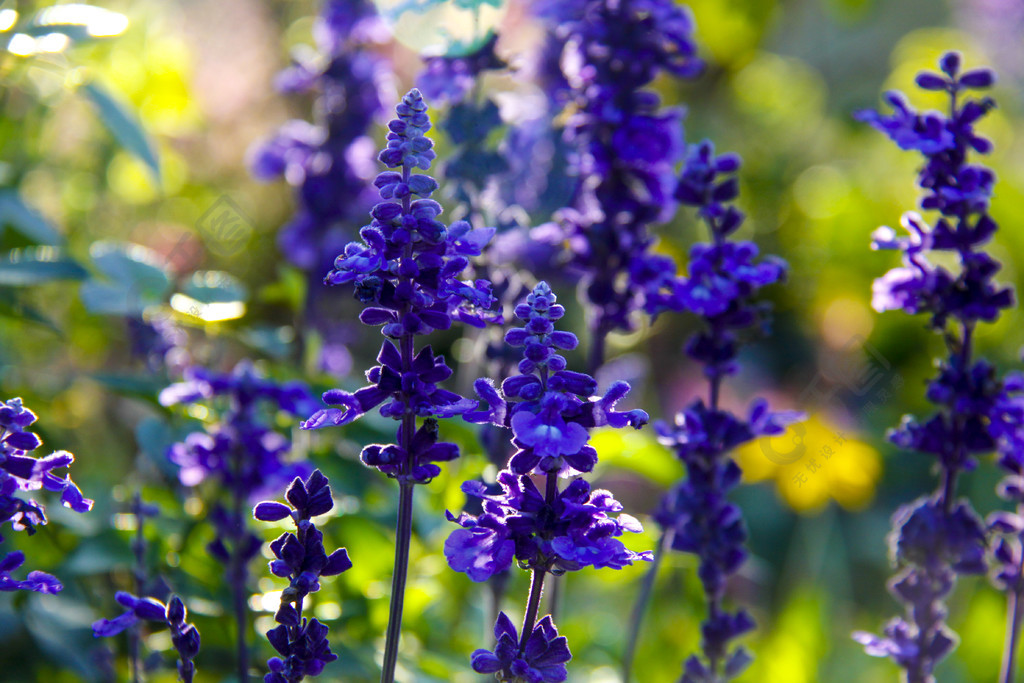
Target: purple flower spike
<point>937,538</point>
<point>407,269</point>
<point>549,409</point>
<point>724,278</point>
<point>301,558</point>
<point>624,148</point>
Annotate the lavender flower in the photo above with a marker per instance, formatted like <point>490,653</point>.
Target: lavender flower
<point>550,411</point>
<point>301,558</point>
<point>21,472</point>
<point>936,538</point>
<point>328,161</point>
<point>625,150</point>
<point>541,661</point>
<point>244,455</point>
<point>696,515</point>
<point>406,270</point>
<point>184,636</point>
<point>576,529</point>
<point>549,408</point>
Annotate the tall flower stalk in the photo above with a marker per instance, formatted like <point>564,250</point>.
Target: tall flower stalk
<point>140,606</point>
<point>405,270</point>
<point>625,149</point>
<point>550,411</point>
<point>696,515</point>
<point>329,160</point>
<point>300,557</point>
<point>938,537</point>
<point>242,456</point>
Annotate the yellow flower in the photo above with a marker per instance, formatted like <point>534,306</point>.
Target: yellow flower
<point>814,461</point>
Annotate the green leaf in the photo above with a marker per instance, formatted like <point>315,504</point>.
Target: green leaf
<point>26,220</point>
<point>35,265</point>
<point>215,287</point>
<point>124,126</point>
<point>275,342</point>
<point>139,279</point>
<point>12,307</point>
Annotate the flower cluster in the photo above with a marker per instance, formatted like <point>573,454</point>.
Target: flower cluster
<point>550,411</point>
<point>549,408</point>
<point>576,529</point>
<point>184,636</point>
<point>328,162</point>
<point>406,270</point>
<point>241,450</point>
<point>936,537</point>
<point>300,558</point>
<point>244,455</point>
<point>541,661</point>
<point>696,514</point>
<point>625,147</point>
<point>724,275</point>
<point>21,472</point>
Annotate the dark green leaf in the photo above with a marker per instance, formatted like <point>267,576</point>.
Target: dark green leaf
<point>35,265</point>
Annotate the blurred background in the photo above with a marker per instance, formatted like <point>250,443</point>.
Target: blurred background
<point>125,148</point>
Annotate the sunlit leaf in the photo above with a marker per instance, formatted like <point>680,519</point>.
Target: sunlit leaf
<point>138,279</point>
<point>215,287</point>
<point>123,125</point>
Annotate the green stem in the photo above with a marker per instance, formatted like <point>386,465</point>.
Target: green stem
<point>640,607</point>
<point>398,580</point>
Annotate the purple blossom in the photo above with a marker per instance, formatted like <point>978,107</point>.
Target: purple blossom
<point>184,636</point>
<point>541,661</point>
<point>936,538</point>
<point>624,147</point>
<point>576,529</point>
<point>21,472</point>
<point>300,558</point>
<point>548,408</point>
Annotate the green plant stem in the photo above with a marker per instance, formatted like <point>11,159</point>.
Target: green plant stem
<point>640,607</point>
<point>398,580</point>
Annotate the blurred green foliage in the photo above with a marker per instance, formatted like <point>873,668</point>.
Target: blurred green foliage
<point>112,149</point>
